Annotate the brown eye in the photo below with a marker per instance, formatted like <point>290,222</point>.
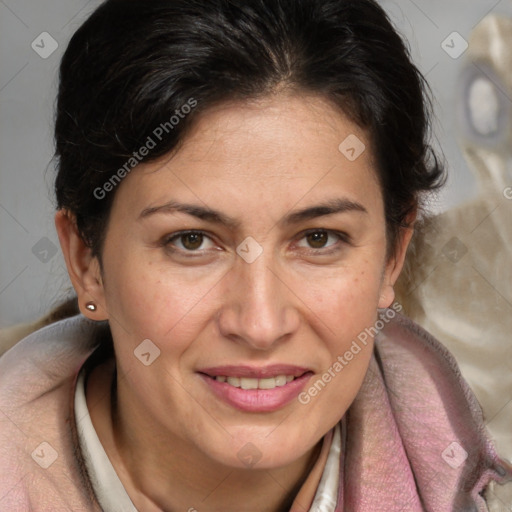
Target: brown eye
<point>191,241</point>
<point>317,239</point>
<point>323,240</point>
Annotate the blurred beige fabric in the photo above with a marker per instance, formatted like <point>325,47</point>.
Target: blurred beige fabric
<point>458,279</point>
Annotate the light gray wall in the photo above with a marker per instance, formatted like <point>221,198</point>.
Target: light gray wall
<point>32,272</point>
<point>29,286</point>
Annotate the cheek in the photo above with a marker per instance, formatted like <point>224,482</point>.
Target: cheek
<point>345,307</point>
<point>147,300</point>
<point>346,299</point>
<point>330,394</point>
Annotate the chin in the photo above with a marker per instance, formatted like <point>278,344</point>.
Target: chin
<point>262,450</point>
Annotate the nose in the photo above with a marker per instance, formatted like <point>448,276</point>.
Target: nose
<point>259,308</point>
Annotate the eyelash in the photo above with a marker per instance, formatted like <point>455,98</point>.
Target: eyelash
<point>344,238</point>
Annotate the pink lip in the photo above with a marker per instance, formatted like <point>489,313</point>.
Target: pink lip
<point>257,400</point>
<point>255,372</point>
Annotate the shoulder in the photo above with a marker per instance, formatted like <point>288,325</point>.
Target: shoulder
<point>45,359</point>
<point>425,375</point>
<point>37,382</point>
<point>440,420</point>
<point>405,340</point>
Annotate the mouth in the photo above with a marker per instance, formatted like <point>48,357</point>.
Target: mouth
<point>256,389</point>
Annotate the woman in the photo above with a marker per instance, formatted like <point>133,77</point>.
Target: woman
<point>237,187</point>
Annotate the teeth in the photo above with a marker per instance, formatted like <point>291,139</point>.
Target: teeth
<point>280,380</point>
<point>234,381</point>
<point>269,383</point>
<point>251,383</point>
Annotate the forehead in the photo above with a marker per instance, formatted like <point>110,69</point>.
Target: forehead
<point>282,148</point>
<point>278,129</point>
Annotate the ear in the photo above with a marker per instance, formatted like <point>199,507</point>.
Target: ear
<point>396,262</point>
<point>83,269</point>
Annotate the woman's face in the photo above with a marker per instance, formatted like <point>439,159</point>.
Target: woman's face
<point>282,266</point>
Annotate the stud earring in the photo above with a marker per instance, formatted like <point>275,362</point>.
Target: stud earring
<point>91,306</point>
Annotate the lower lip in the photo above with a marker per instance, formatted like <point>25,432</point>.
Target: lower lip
<point>257,400</point>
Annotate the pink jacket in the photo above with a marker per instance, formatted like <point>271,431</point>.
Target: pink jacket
<point>413,440</point>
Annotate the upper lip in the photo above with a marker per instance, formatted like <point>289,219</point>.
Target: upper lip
<point>254,372</point>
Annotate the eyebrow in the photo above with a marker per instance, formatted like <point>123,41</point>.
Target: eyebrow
<point>330,207</point>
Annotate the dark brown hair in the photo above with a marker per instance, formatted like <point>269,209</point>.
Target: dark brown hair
<point>135,63</point>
